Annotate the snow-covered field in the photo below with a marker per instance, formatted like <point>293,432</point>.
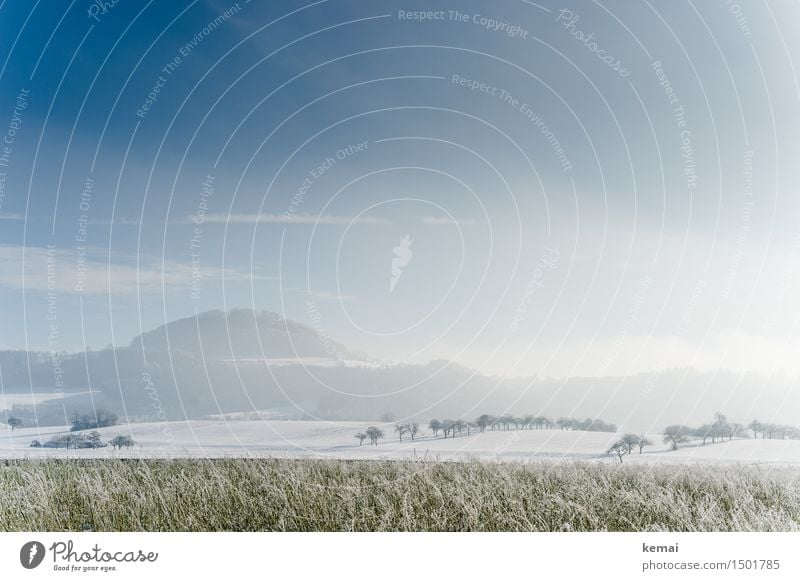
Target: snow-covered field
<point>298,439</point>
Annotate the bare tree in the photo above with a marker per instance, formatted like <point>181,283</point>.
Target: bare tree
<point>413,428</point>
<point>540,422</point>
<point>721,426</point>
<point>705,432</point>
<point>643,441</point>
<point>676,435</point>
<point>120,441</point>
<point>483,422</point>
<point>14,423</point>
<point>435,425</point>
<point>447,427</point>
<point>94,440</point>
<point>361,436</point>
<point>401,429</point>
<point>374,434</point>
<point>630,440</point>
<point>619,448</point>
<point>74,440</point>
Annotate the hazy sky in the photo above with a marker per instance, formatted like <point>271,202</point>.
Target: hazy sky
<point>564,189</point>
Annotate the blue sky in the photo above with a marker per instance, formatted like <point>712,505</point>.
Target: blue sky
<point>588,188</point>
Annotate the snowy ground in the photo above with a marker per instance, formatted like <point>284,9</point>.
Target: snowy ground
<point>298,439</point>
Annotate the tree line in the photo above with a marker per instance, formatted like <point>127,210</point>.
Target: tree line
<point>374,434</point>
<point>720,428</point>
<point>485,422</point>
<point>451,428</point>
<point>79,441</point>
<point>98,419</point>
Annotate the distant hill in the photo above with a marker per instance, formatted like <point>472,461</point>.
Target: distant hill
<point>237,334</point>
<point>214,364</point>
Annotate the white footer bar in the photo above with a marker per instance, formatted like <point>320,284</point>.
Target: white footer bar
<point>401,556</point>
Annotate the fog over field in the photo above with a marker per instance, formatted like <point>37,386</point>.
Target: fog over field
<point>245,361</point>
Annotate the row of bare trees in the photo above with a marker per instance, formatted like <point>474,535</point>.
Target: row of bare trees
<point>450,428</point>
<point>410,428</point>
<point>372,433</point>
<point>776,431</point>
<point>508,422</point>
<point>78,441</point>
<point>719,429</point>
<point>627,443</point>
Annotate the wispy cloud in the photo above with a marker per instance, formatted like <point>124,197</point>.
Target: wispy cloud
<point>320,295</point>
<point>120,222</point>
<point>35,268</point>
<point>437,221</point>
<point>288,219</point>
<point>14,217</point>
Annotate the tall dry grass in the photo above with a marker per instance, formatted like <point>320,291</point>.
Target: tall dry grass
<point>326,495</point>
